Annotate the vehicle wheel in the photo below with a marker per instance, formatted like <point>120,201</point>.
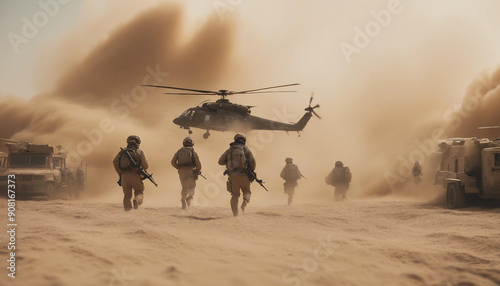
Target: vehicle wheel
<point>51,191</point>
<point>455,197</point>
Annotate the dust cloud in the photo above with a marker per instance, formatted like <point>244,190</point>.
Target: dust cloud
<point>431,73</point>
<point>381,115</point>
<point>99,101</point>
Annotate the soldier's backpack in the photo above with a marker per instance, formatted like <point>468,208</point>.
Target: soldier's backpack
<point>237,159</point>
<point>292,172</point>
<point>185,157</point>
<point>339,176</point>
<point>125,164</point>
<point>347,175</point>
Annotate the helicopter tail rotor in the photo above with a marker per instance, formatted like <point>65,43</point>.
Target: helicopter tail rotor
<point>310,108</point>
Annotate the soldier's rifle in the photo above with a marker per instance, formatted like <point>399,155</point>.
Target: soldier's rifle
<point>303,176</point>
<point>196,172</point>
<point>144,173</point>
<point>254,177</point>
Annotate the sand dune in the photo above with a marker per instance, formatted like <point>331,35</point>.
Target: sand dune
<point>370,242</point>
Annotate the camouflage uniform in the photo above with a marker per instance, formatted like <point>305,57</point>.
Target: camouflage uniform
<point>130,176</point>
<point>238,177</point>
<point>340,178</point>
<point>187,171</point>
<point>290,179</point>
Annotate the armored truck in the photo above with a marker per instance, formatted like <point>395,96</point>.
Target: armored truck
<point>39,170</point>
<point>469,167</point>
<point>3,160</point>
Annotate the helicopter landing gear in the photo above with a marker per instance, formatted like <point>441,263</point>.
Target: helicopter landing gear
<point>206,135</point>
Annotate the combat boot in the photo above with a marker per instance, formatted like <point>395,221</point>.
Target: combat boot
<point>234,203</point>
<point>246,200</point>
<point>138,199</point>
<point>183,204</point>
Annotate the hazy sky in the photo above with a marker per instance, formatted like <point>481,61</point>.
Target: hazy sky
<point>310,32</point>
<point>18,76</point>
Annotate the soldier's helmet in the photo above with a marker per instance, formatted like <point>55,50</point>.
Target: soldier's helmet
<point>188,142</point>
<point>339,164</point>
<point>417,163</point>
<point>240,138</point>
<point>289,160</point>
<point>134,139</point>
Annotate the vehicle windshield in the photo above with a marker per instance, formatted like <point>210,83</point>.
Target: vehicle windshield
<point>29,161</point>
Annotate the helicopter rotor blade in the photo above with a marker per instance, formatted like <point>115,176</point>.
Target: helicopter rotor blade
<point>314,112</point>
<point>310,108</point>
<point>179,88</point>
<point>246,91</point>
<point>489,127</point>
<point>271,91</point>
<point>179,93</point>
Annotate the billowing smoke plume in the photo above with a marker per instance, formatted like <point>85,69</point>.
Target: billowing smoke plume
<point>100,100</point>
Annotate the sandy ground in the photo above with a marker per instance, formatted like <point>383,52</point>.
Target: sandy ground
<point>379,242</point>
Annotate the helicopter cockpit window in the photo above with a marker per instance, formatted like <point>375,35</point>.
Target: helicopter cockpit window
<point>497,160</point>
<point>185,113</point>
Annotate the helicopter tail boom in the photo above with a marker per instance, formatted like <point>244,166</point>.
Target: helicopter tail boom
<point>299,126</point>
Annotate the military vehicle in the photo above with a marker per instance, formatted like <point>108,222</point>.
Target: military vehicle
<point>469,167</point>
<point>40,170</point>
<point>223,115</point>
<point>3,160</point>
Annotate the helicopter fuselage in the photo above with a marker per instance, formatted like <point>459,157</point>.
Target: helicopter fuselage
<point>225,116</point>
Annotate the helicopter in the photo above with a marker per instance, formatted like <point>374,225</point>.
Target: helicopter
<point>223,115</point>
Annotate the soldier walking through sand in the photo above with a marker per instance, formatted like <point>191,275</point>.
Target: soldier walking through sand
<point>188,165</point>
<point>238,158</point>
<point>417,172</point>
<point>340,178</point>
<point>291,174</point>
<point>130,177</point>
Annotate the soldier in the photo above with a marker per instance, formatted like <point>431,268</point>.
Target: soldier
<point>291,174</point>
<point>187,162</point>
<point>238,158</point>
<point>340,178</point>
<point>417,172</point>
<point>129,175</point>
